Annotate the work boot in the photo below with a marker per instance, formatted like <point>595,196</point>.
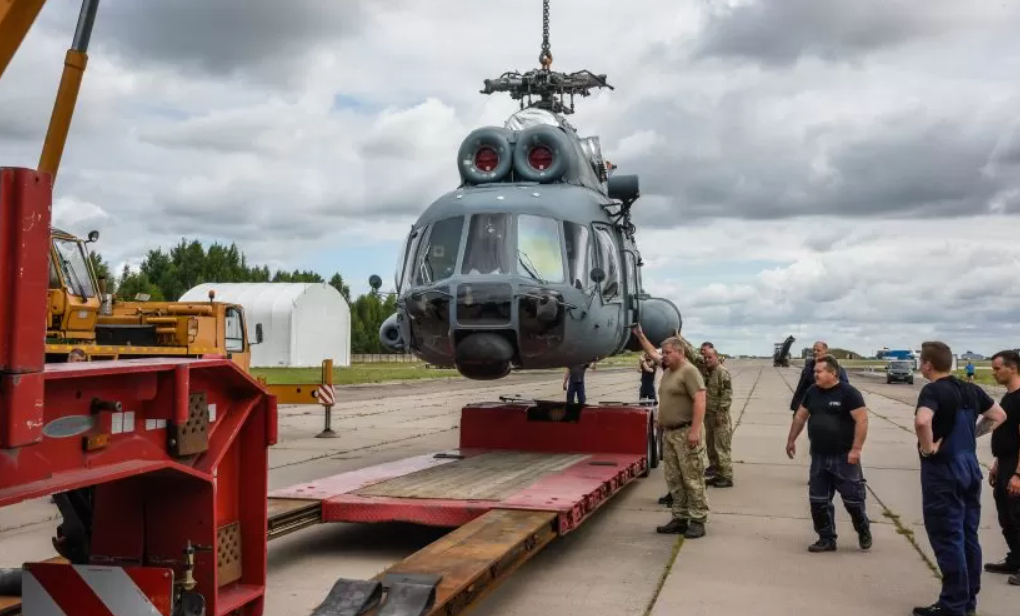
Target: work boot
<point>1014,580</point>
<point>676,526</point>
<point>710,472</point>
<point>695,530</point>
<point>720,482</point>
<point>823,545</point>
<point>666,500</point>
<point>1005,566</point>
<point>933,610</point>
<point>864,539</point>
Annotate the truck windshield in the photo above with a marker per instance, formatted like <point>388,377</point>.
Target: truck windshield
<point>74,267</point>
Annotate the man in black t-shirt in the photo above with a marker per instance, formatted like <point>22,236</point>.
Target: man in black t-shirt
<point>947,427</point>
<point>1005,474</point>
<point>837,421</point>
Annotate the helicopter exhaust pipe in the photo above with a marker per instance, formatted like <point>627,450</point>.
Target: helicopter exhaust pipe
<point>660,319</point>
<point>390,336</point>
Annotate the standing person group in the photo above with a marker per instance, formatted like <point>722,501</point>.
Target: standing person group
<point>695,393</point>
<point>950,415</point>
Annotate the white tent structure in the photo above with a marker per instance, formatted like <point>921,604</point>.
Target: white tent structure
<point>302,323</point>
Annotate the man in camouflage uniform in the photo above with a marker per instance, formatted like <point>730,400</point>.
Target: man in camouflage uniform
<point>718,422</point>
<point>681,414</point>
<point>698,359</point>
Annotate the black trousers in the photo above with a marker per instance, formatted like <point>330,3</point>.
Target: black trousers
<point>1008,508</point>
<point>831,474</point>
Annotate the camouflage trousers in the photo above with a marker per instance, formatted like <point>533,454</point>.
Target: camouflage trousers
<point>684,468</point>
<point>718,438</point>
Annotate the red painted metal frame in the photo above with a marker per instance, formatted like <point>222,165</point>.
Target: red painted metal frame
<point>615,437</point>
<point>148,504</point>
<point>599,429</point>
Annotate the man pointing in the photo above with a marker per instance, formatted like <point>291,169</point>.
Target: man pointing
<point>682,417</point>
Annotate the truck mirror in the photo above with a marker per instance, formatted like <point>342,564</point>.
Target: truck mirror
<point>258,333</point>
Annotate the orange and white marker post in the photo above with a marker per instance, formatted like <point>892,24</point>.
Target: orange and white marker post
<point>327,397</point>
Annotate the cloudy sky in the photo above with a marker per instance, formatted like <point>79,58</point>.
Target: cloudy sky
<point>837,169</point>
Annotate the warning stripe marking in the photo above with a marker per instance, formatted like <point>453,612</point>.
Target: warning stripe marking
<point>83,590</point>
<point>34,595</point>
<point>70,592</point>
<point>118,591</point>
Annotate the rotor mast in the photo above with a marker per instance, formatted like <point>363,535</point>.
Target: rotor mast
<point>549,87</point>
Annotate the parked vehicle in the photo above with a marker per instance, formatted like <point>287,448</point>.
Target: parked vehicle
<point>899,371</point>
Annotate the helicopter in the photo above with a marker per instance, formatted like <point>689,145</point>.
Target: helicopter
<point>530,263</point>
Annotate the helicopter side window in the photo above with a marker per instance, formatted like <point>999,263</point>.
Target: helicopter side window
<point>234,335</point>
<point>539,248</point>
<point>632,273</point>
<point>485,252</point>
<point>437,253</point>
<point>579,253</point>
<point>404,274</point>
<point>610,262</point>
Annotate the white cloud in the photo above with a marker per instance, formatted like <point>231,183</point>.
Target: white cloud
<point>855,176</point>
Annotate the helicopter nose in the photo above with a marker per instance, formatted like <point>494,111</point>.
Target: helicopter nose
<point>484,355</point>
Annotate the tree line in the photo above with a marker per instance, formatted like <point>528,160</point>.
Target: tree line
<point>166,276</point>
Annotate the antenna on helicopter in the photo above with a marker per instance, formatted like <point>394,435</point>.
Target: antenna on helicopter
<point>548,85</point>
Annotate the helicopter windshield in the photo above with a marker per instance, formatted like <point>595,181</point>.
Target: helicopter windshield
<point>485,252</point>
<point>74,267</point>
<point>539,248</point>
<point>580,256</point>
<point>437,254</point>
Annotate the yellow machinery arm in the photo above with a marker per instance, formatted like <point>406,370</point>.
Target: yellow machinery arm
<point>16,18</point>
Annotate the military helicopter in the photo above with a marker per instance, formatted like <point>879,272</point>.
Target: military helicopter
<point>530,263</point>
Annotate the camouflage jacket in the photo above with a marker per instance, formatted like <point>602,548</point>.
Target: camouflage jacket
<point>720,390</point>
<point>695,358</point>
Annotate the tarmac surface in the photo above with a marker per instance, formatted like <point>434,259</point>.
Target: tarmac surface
<point>753,559</point>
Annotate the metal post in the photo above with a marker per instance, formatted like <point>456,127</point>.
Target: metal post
<point>327,380</point>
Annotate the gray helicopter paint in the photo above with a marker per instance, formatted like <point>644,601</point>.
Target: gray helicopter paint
<point>587,325</point>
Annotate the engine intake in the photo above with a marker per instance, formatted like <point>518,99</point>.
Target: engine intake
<point>660,319</point>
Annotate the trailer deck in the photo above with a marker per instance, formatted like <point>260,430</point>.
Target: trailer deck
<point>526,473</point>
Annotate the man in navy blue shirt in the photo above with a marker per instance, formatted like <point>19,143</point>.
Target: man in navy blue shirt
<point>837,421</point>
<point>951,414</point>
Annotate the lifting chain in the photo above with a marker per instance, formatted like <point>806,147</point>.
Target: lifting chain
<point>545,58</point>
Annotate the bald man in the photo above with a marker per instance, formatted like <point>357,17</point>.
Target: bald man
<point>807,375</point>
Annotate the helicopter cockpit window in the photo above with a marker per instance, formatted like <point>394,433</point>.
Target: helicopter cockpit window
<point>234,334</point>
<point>437,252</point>
<point>610,260</point>
<point>404,273</point>
<point>539,248</point>
<point>579,253</point>
<point>75,267</point>
<point>486,249</point>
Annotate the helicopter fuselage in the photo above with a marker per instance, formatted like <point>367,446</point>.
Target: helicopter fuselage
<point>519,268</point>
